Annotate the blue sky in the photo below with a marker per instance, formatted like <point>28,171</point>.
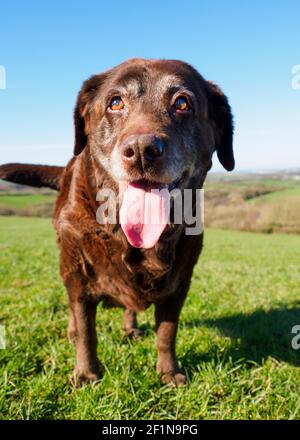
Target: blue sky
<point>247,47</point>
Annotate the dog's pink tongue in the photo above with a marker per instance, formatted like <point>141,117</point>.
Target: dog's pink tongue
<point>143,215</point>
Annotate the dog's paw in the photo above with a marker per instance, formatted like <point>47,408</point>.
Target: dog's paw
<point>134,333</point>
<point>84,376</point>
<point>173,379</point>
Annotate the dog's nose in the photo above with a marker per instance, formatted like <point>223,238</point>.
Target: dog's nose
<point>146,147</point>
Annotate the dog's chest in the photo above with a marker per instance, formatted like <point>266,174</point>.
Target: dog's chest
<point>130,277</point>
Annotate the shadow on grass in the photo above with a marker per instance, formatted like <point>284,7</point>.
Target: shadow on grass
<point>254,337</point>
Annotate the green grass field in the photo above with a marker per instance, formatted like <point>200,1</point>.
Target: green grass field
<point>277,195</point>
<point>25,200</point>
<point>234,340</point>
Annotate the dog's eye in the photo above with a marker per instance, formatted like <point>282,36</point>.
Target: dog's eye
<point>116,103</point>
<point>181,104</point>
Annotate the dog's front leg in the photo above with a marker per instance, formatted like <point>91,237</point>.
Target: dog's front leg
<point>87,365</point>
<point>166,318</point>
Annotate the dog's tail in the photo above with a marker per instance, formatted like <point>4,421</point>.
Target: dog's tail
<point>32,175</point>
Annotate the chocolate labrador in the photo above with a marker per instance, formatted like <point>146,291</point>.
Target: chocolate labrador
<point>143,125</point>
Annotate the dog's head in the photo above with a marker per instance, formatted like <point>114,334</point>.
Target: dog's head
<point>154,123</point>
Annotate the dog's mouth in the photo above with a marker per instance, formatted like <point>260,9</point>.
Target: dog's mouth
<point>145,210</point>
<point>150,185</point>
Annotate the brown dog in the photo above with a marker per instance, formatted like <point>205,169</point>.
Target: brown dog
<point>144,124</point>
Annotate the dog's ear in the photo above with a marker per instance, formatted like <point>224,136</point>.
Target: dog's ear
<point>220,114</point>
<point>82,111</point>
